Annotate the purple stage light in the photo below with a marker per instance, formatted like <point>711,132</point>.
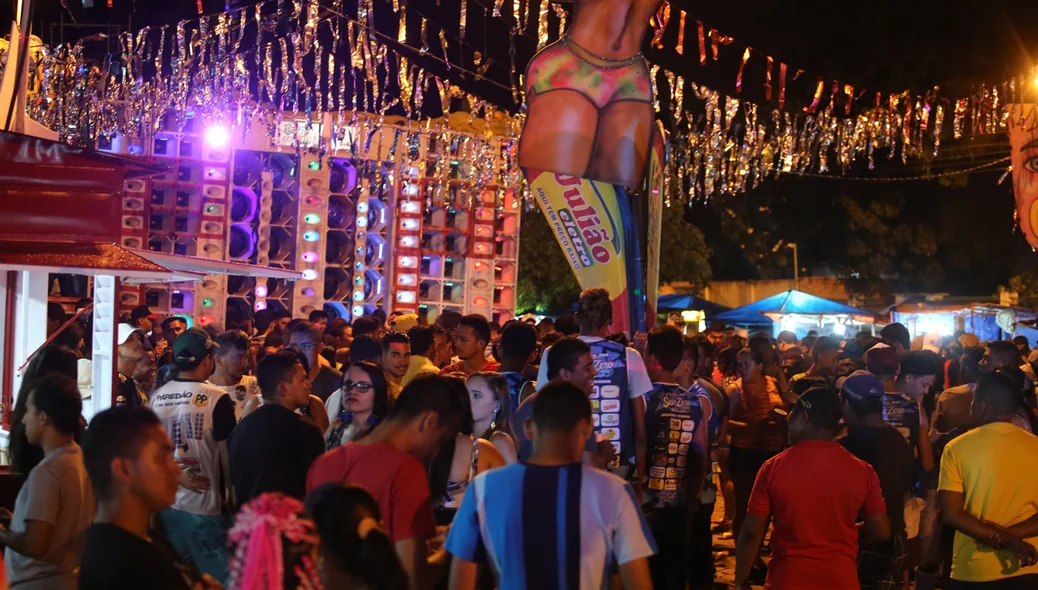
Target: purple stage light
<point>217,136</point>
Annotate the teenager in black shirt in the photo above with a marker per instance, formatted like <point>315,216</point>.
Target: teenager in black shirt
<point>271,450</point>
<point>129,457</point>
<point>879,444</point>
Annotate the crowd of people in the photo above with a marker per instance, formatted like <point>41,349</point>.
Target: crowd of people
<point>389,453</point>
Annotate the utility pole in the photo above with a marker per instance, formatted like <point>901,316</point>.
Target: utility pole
<point>796,265</point>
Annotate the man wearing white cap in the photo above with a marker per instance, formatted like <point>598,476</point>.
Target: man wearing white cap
<point>131,351</point>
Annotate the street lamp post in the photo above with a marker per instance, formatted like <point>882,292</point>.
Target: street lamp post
<point>796,265</point>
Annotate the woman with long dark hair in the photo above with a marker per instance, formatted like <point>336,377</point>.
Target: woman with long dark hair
<point>491,404</point>
<point>728,365</point>
<point>459,461</point>
<point>49,359</point>
<point>361,402</point>
<point>356,552</point>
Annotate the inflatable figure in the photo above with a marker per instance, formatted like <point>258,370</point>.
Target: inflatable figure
<point>586,146</point>
<point>1023,143</point>
<point>589,96</point>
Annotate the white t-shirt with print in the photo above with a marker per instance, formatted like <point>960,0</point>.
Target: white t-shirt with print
<point>241,392</point>
<point>186,411</point>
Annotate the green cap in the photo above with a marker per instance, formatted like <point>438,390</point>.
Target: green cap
<point>192,345</point>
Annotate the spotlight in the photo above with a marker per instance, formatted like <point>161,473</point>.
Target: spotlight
<point>217,136</point>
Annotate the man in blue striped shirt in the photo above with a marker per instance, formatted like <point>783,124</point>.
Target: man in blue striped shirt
<point>552,522</point>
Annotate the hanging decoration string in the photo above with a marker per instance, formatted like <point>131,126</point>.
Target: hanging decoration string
<point>993,165</point>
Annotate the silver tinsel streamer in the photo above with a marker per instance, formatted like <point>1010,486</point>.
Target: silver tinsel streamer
<point>720,145</point>
<point>542,23</point>
<point>560,12</point>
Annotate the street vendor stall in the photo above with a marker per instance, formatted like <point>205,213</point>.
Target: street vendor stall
<point>799,312</point>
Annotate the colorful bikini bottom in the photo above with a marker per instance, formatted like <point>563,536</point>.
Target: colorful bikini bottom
<point>565,65</point>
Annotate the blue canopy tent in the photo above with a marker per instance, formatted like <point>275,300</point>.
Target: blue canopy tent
<point>693,310</point>
<point>796,311</point>
<point>678,302</point>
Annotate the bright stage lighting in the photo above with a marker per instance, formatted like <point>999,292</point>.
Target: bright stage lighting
<point>217,136</point>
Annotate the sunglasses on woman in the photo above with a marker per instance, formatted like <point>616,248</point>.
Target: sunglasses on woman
<point>360,386</point>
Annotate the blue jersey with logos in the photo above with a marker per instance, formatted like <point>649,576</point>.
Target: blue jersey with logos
<point>610,399</point>
<point>672,417</point>
<point>516,381</point>
<point>621,377</point>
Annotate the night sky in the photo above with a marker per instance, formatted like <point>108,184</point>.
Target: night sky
<point>883,45</point>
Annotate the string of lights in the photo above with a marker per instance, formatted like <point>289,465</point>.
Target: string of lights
<point>931,176</point>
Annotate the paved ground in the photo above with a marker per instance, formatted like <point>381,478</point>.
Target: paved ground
<point>724,552</point>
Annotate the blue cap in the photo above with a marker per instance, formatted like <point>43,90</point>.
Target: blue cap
<point>862,384</point>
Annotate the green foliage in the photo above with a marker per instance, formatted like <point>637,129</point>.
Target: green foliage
<point>547,282</point>
<point>545,278</point>
<point>1025,285</point>
<point>684,255</point>
<point>876,238</point>
<point>881,250</point>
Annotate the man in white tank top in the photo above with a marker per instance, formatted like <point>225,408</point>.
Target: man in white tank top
<point>231,362</point>
<point>199,417</point>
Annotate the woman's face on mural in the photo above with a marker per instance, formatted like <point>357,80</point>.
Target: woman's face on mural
<point>1023,141</point>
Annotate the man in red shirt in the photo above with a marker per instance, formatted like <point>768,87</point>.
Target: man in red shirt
<point>470,343</point>
<point>389,463</point>
<point>814,491</point>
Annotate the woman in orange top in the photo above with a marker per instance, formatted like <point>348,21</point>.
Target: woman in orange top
<point>756,426</point>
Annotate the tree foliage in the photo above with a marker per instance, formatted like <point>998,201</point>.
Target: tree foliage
<point>545,278</point>
<point>882,250</point>
<point>881,238</point>
<point>684,255</point>
<point>1025,285</point>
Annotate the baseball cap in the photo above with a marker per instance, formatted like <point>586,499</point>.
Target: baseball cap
<point>920,362</point>
<point>192,345</point>
<point>124,332</point>
<point>896,332</point>
<point>881,359</point>
<point>142,311</point>
<point>404,322</point>
<point>862,384</point>
<point>823,407</point>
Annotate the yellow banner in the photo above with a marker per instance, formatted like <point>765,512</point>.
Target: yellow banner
<point>587,218</point>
